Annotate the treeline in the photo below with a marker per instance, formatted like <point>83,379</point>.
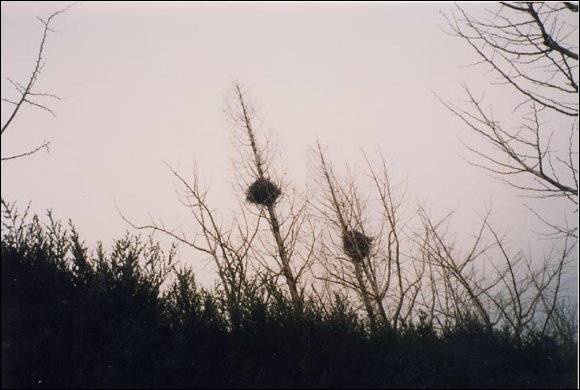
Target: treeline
<point>74,317</point>
<point>356,232</point>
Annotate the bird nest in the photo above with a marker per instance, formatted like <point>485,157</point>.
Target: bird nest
<point>263,192</point>
<point>356,245</point>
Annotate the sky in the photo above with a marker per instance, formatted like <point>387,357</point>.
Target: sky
<point>144,84</point>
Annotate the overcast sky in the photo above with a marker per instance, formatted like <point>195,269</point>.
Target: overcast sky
<point>144,83</point>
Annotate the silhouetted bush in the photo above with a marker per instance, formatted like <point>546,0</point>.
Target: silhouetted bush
<point>74,318</point>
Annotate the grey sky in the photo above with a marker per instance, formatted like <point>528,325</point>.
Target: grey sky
<point>145,83</point>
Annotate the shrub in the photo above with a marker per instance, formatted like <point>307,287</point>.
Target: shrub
<point>71,319</point>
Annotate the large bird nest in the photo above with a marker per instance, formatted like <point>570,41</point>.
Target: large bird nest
<point>263,192</point>
<point>356,245</point>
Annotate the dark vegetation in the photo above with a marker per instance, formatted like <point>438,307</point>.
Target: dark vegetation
<point>304,297</point>
<point>129,318</point>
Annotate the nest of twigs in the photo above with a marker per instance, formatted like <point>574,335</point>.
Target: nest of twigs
<point>356,245</point>
<point>263,192</point>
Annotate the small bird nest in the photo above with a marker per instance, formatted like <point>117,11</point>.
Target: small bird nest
<point>263,192</point>
<point>356,245</point>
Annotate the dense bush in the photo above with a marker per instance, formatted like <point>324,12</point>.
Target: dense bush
<point>129,318</point>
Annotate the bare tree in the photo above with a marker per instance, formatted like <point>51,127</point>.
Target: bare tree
<point>343,212</point>
<point>227,247</point>
<point>368,257</point>
<point>265,195</point>
<point>532,49</point>
<point>491,282</point>
<point>404,276</point>
<point>244,258</point>
<point>27,95</point>
<point>404,269</point>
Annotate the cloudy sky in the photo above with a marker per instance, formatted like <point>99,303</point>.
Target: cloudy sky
<point>147,83</point>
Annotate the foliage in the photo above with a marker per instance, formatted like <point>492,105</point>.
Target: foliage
<point>129,318</point>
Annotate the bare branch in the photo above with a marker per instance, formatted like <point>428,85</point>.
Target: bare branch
<point>27,92</point>
<point>44,145</point>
